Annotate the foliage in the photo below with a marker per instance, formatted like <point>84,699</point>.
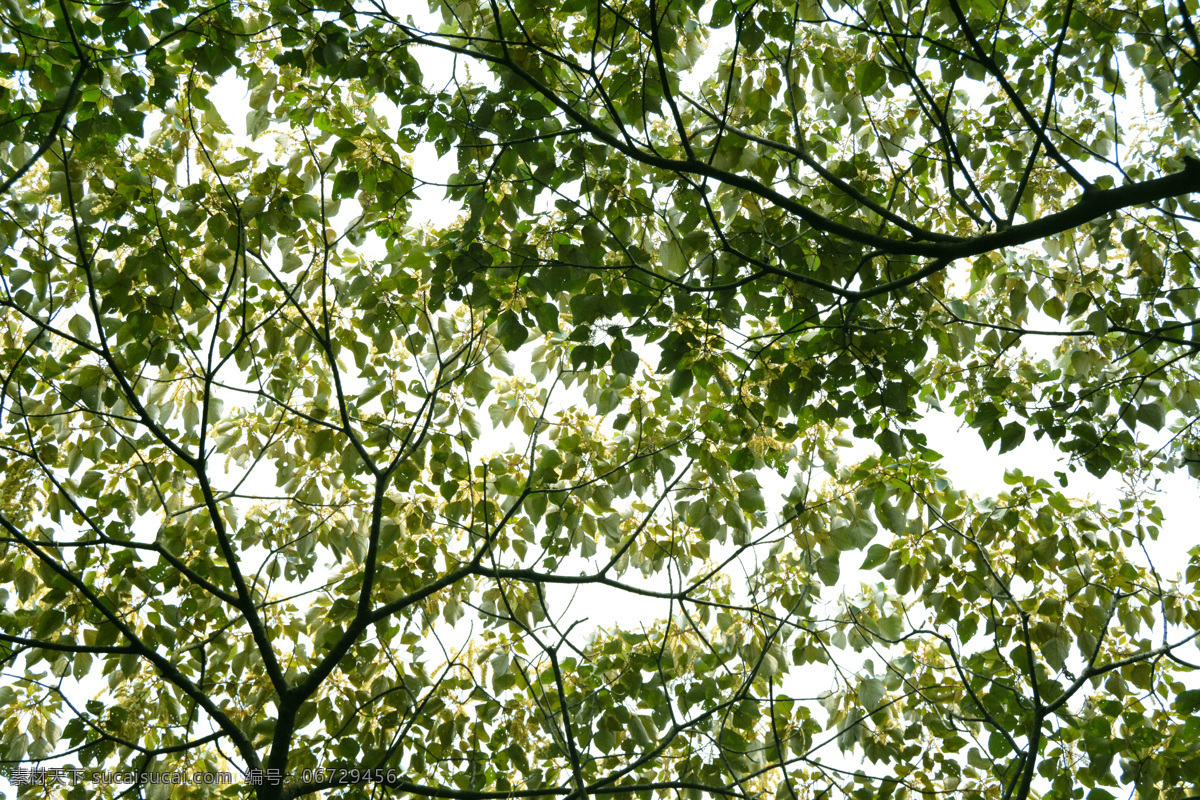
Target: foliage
<point>291,484</point>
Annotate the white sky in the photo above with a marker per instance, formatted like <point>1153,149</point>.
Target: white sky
<point>969,464</point>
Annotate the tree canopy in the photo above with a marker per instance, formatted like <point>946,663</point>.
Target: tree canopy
<point>617,485</point>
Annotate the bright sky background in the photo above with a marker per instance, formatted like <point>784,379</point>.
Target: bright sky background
<point>970,465</point>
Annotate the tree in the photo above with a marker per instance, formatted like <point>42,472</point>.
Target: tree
<point>293,487</point>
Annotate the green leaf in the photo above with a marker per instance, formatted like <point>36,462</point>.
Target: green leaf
<point>306,206</point>
<point>871,693</point>
<point>828,569</point>
<point>345,184</point>
<point>1188,702</point>
<point>1079,304</point>
<point>1054,308</point>
<point>1011,436</point>
<point>80,326</point>
<point>625,362</point>
<point>509,330</point>
<point>890,442</point>
<point>1054,642</point>
<point>876,555</point>
<point>681,381</point>
<point>546,315</point>
<point>870,77</point>
<point>893,518</point>
<point>673,260</point>
<point>1152,414</point>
